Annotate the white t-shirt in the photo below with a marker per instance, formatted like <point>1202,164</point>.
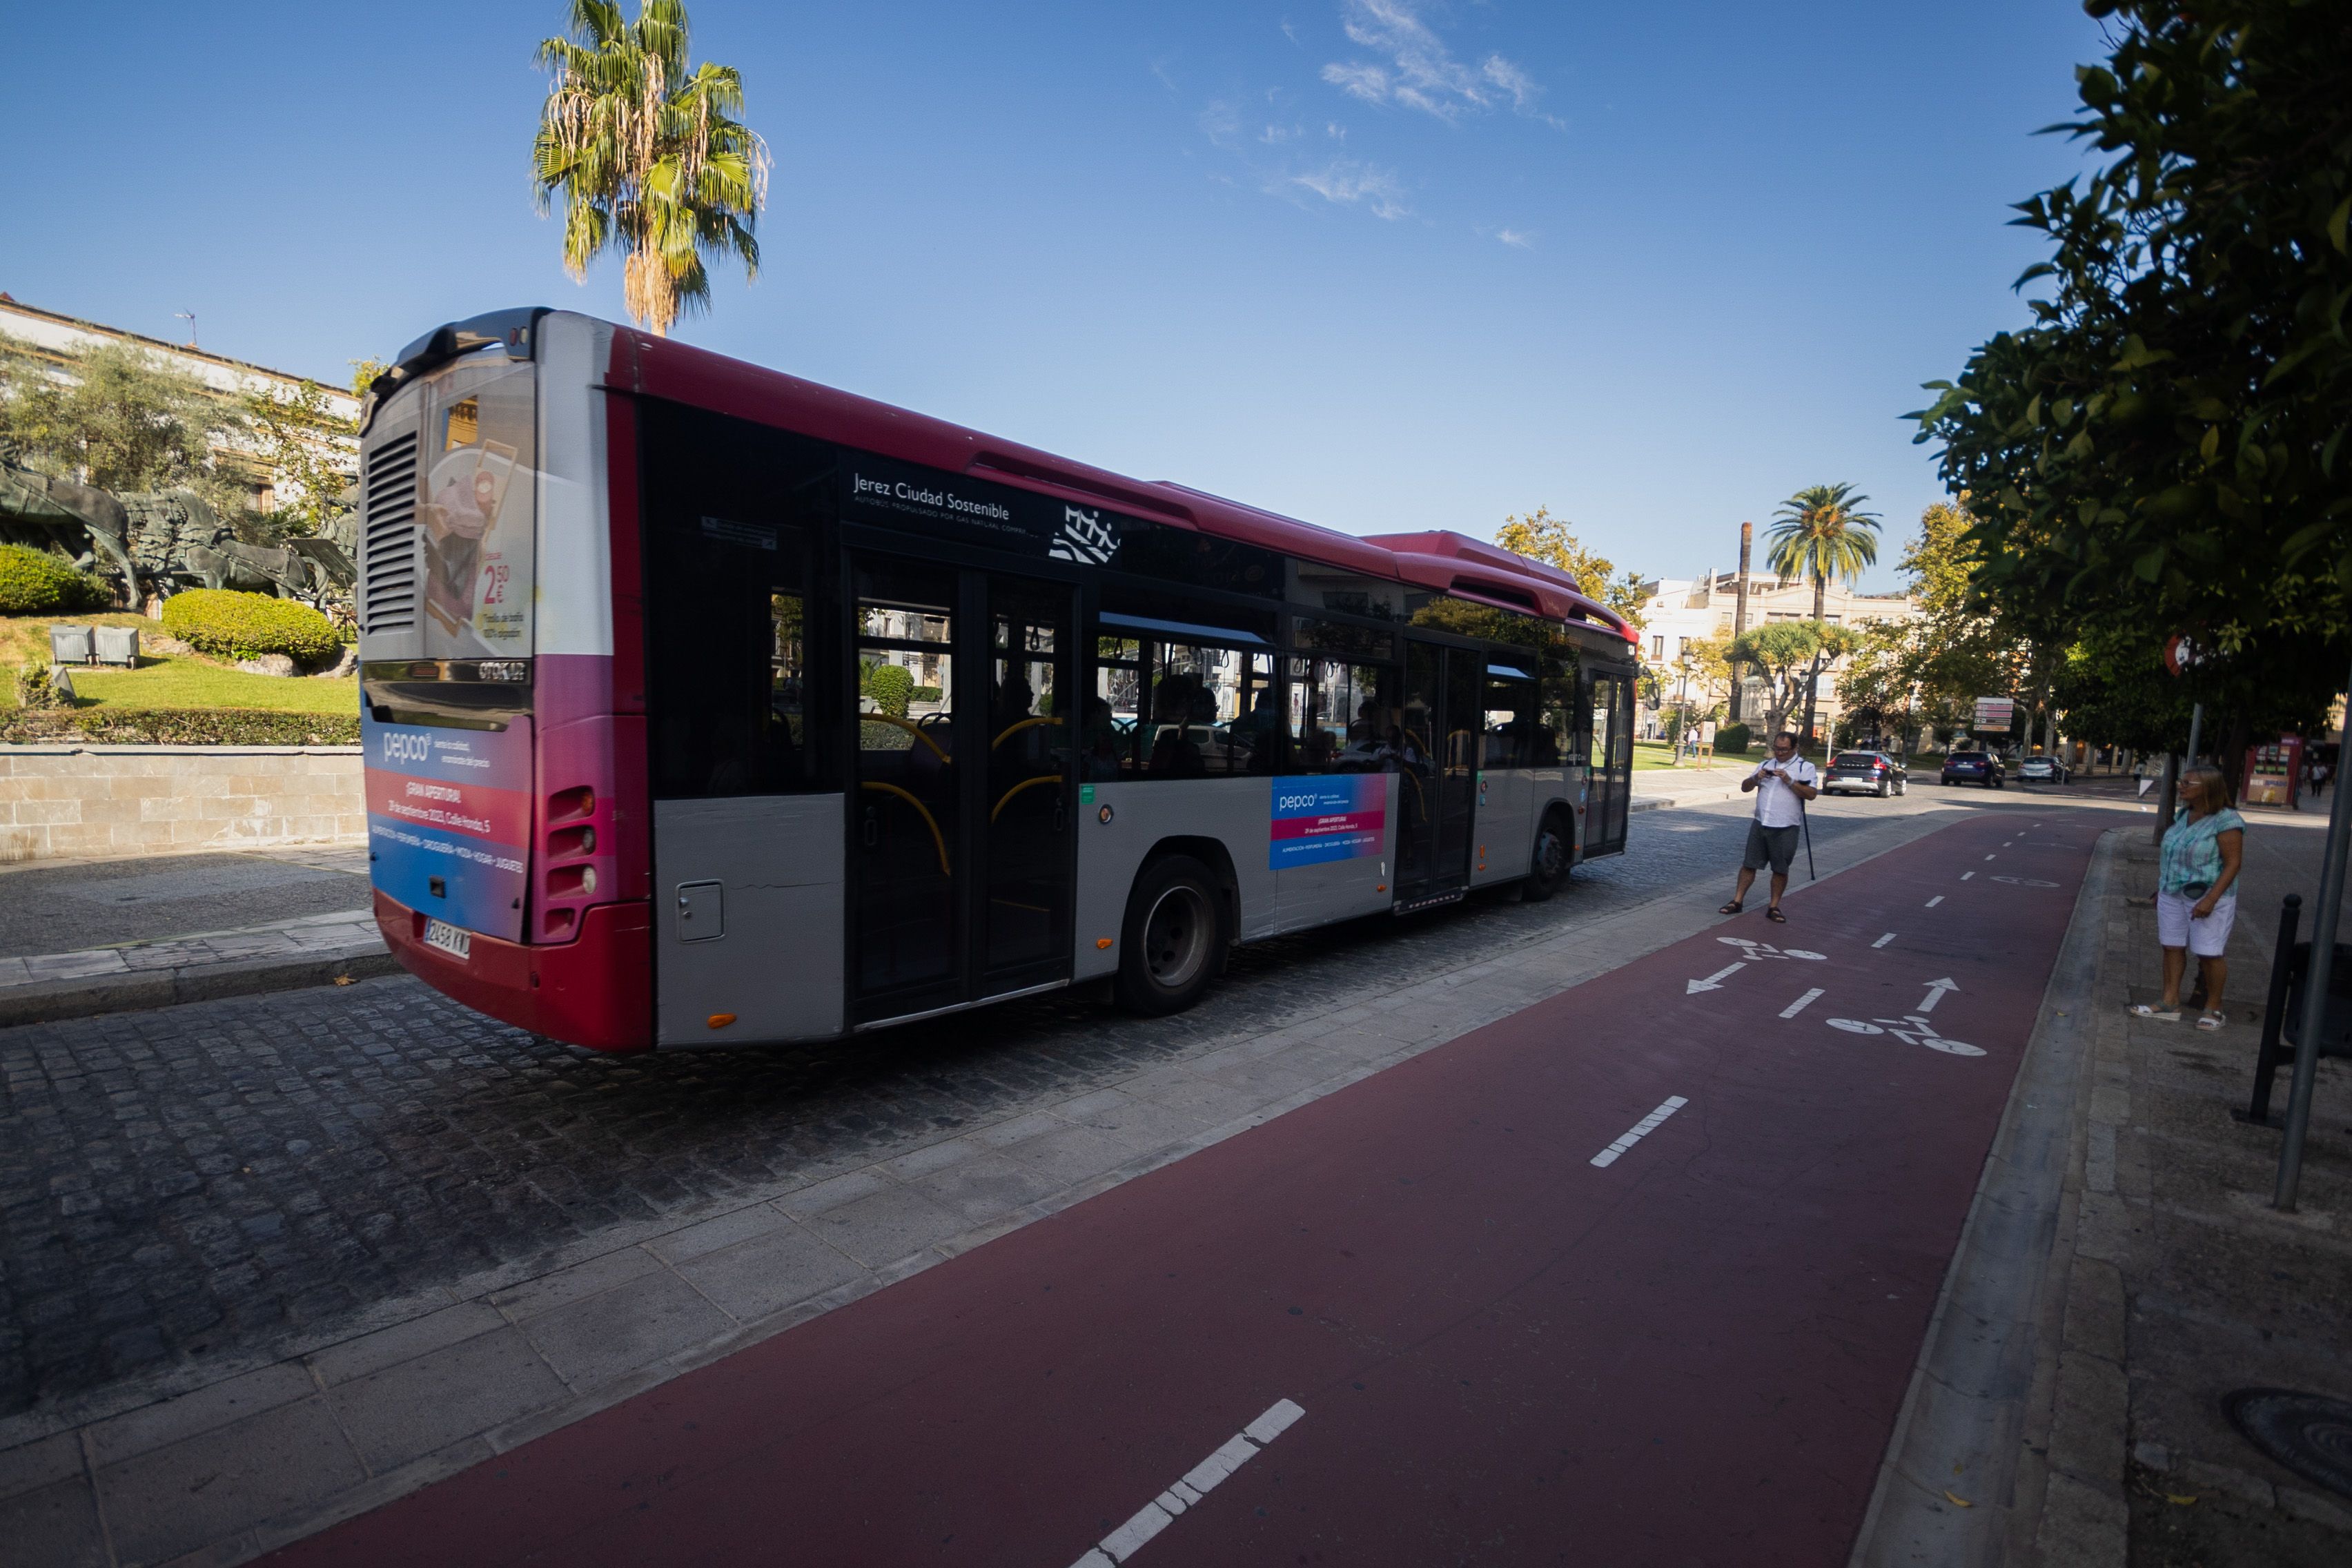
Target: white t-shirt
<point>1776,804</point>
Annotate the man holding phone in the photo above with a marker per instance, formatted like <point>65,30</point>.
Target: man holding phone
<point>1781,784</point>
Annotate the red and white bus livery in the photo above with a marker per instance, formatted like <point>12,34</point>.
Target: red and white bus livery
<point>706,706</point>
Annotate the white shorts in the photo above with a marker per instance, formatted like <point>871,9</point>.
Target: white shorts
<point>2205,938</point>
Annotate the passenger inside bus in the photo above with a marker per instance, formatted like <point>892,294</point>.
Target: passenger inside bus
<point>1176,706</point>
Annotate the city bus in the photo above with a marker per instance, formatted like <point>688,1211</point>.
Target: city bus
<point>704,705</point>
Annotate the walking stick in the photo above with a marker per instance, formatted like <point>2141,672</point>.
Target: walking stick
<point>1805,821</point>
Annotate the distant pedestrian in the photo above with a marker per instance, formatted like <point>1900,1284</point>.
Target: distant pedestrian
<point>1782,782</point>
<point>2195,893</point>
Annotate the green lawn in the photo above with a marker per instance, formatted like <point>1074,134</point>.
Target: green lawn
<point>165,682</point>
<point>1658,754</point>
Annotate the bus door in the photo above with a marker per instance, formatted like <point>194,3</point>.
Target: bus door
<point>1610,786</point>
<point>962,817</point>
<point>1437,798</point>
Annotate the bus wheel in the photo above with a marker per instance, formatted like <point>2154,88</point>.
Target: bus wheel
<point>1548,868</point>
<point>1169,941</point>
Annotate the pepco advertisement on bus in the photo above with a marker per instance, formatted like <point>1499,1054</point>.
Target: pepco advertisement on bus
<point>1323,818</point>
<point>452,807</point>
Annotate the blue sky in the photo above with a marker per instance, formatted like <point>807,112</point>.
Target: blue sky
<point>1380,264</point>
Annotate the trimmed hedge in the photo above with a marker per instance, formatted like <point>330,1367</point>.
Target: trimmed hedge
<point>891,686</point>
<point>179,727</point>
<point>230,625</point>
<point>1731,738</point>
<point>35,582</point>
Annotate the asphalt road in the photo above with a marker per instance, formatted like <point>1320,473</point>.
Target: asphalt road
<point>1534,1296</point>
<point>223,1178</point>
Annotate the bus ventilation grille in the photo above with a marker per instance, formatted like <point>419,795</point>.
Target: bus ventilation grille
<point>388,589</point>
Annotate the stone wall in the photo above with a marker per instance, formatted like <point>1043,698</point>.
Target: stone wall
<point>69,802</point>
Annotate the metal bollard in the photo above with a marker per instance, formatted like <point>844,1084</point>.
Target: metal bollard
<point>2267,1057</point>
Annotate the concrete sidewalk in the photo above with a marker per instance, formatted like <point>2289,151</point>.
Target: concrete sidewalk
<point>80,938</point>
<point>2123,1273</point>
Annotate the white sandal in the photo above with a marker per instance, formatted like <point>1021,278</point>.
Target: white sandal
<point>2211,1021</point>
<point>2142,1010</point>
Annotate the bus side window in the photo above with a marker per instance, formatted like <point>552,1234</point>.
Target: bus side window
<point>1511,729</point>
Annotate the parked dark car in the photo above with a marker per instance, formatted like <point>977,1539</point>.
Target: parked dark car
<point>2042,770</point>
<point>1871,773</point>
<point>1975,767</point>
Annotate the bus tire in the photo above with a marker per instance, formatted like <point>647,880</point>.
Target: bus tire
<point>1548,865</point>
<point>1172,939</point>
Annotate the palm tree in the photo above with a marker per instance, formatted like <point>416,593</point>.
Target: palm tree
<point>1821,532</point>
<point>650,158</point>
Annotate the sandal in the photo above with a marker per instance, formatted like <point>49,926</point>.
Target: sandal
<point>2211,1021</point>
<point>1732,908</point>
<point>1775,916</point>
<point>2142,1010</point>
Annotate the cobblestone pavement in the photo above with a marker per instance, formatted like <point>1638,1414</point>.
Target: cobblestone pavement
<point>224,1178</point>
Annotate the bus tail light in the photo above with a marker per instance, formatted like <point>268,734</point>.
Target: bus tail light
<point>565,805</point>
<point>572,882</point>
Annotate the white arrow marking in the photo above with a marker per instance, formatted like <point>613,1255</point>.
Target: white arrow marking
<point>1883,940</point>
<point>1801,1004</point>
<point>1936,989</point>
<point>1715,980</point>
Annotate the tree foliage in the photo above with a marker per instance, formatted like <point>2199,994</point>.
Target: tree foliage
<point>1930,671</point>
<point>1821,534</point>
<point>1783,654</point>
<point>116,418</point>
<point>2163,450</point>
<point>1539,536</point>
<point>296,432</point>
<point>650,157</point>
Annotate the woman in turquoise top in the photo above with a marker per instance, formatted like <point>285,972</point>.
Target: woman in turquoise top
<point>2196,900</point>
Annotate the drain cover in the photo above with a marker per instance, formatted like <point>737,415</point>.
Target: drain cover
<point>2308,1433</point>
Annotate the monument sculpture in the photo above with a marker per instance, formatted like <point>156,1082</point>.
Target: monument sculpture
<point>152,545</point>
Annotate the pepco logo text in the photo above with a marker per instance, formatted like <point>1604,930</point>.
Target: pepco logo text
<point>399,747</point>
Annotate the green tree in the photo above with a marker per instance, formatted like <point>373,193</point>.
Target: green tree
<point>1821,532</point>
<point>649,157</point>
<point>1931,671</point>
<point>1542,537</point>
<point>298,433</point>
<point>116,417</point>
<point>2164,448</point>
<point>1785,653</point>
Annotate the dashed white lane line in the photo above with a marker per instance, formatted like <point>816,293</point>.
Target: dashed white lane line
<point>1988,856</point>
<point>1157,1515</point>
<point>1802,1003</point>
<point>1643,1127</point>
<point>1883,940</point>
<point>1939,897</point>
<point>1966,874</point>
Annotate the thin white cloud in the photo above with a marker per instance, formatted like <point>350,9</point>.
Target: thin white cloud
<point>1514,239</point>
<point>1221,122</point>
<point>1346,183</point>
<point>1416,70</point>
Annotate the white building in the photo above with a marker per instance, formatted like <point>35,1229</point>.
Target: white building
<point>1679,612</point>
<point>59,340</point>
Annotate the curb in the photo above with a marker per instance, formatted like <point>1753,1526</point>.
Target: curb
<point>47,1001</point>
<point>1988,1368</point>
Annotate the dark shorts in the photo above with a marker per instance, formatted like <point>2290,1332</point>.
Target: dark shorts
<point>1776,845</point>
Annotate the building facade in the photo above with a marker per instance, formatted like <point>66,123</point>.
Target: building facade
<point>1679,612</point>
<point>58,341</point>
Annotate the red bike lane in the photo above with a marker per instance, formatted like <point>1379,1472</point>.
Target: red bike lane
<point>1692,1351</point>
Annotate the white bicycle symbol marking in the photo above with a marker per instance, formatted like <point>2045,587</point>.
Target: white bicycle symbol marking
<point>1763,949</point>
<point>1913,1030</point>
<point>2025,881</point>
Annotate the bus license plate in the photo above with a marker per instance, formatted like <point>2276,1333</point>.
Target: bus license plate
<point>449,939</point>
